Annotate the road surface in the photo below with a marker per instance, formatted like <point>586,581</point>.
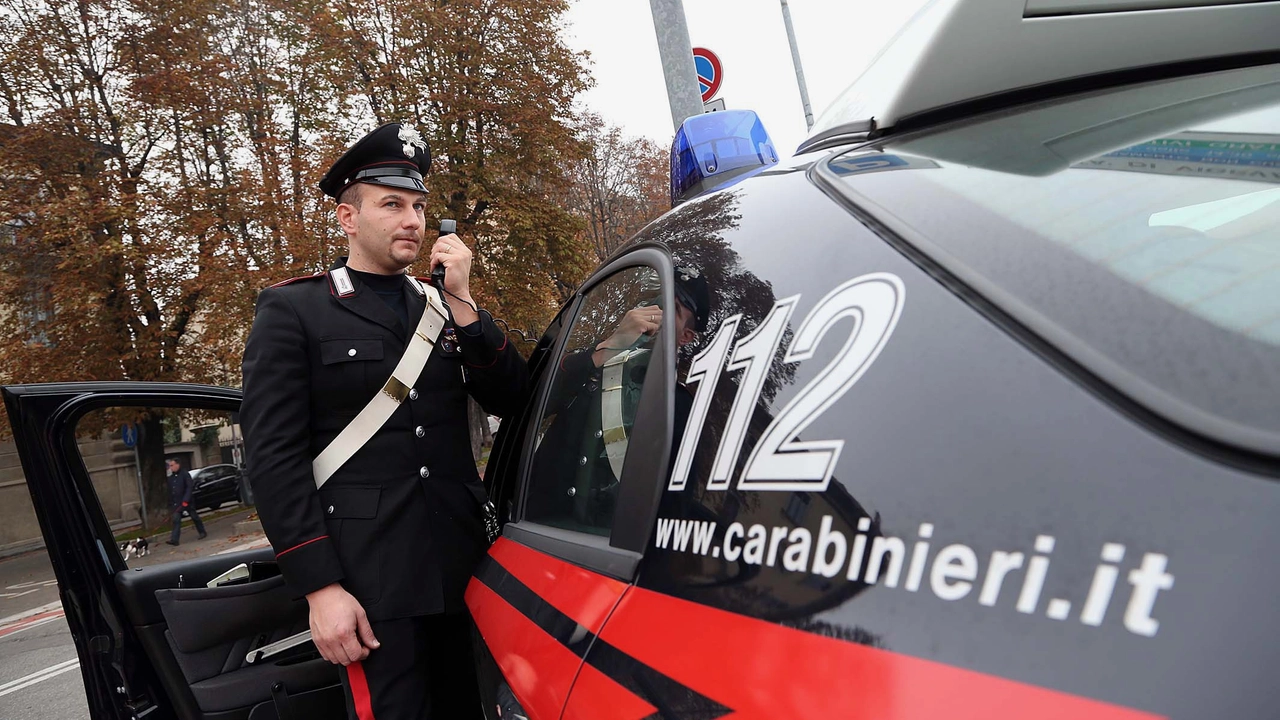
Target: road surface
<point>39,672</point>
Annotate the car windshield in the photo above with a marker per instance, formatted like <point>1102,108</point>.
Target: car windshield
<point>1138,229</point>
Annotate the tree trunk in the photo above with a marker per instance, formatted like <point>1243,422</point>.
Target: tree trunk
<point>479,424</point>
<point>151,457</point>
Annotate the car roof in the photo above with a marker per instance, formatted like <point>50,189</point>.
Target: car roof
<point>955,51</point>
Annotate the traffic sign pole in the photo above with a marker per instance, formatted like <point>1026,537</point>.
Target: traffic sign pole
<point>795,60</point>
<point>131,434</point>
<point>675,49</point>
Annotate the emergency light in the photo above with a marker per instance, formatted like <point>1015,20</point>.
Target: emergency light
<point>716,150</point>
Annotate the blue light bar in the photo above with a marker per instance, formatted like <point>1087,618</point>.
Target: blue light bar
<point>715,150</point>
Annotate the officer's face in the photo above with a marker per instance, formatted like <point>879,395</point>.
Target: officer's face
<point>386,230</point>
<point>686,325</point>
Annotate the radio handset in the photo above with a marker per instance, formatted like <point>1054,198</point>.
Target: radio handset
<point>447,227</point>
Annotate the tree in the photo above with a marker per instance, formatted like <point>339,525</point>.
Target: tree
<point>158,164</point>
<point>619,186</point>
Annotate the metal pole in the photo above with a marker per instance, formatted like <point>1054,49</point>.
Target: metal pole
<point>795,60</point>
<point>683,93</point>
<point>142,495</point>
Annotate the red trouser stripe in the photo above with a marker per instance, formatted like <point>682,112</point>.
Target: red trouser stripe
<point>360,691</point>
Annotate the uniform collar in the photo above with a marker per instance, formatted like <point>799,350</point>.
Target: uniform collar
<point>366,303</point>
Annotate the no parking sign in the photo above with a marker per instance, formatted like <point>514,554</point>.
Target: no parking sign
<point>710,73</point>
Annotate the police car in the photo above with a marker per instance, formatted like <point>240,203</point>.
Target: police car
<point>981,418</point>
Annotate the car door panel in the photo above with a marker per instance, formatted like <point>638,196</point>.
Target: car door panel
<point>537,615</point>
<point>542,594</point>
<point>156,639</point>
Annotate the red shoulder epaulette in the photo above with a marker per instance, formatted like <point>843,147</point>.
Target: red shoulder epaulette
<point>282,283</point>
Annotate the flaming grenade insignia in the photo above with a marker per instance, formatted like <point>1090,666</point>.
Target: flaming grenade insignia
<point>412,140</point>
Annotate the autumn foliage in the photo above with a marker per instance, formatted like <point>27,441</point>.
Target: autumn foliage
<point>159,161</point>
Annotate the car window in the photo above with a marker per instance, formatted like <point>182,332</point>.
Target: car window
<point>1138,229</point>
<point>137,458</point>
<point>582,434</point>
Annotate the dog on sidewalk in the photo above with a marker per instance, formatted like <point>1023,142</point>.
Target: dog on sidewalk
<point>137,547</point>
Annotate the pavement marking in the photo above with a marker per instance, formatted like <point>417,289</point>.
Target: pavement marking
<point>34,584</point>
<point>30,621</point>
<point>39,676</point>
<point>18,594</point>
<point>8,632</point>
<point>55,605</point>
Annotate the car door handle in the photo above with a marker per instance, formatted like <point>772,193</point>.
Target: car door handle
<point>277,647</point>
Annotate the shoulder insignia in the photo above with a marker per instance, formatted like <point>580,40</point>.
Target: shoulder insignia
<point>417,286</point>
<point>290,281</point>
<point>340,283</point>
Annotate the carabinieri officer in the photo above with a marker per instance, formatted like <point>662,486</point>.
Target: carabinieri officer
<point>384,550</point>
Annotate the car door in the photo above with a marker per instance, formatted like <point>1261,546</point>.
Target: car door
<point>576,479</point>
<point>157,640</point>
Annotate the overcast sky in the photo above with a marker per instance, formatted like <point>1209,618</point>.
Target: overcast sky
<point>837,39</point>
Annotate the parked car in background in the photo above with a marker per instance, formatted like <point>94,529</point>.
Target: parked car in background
<point>216,485</point>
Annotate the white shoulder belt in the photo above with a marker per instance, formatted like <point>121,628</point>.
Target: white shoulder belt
<point>375,414</point>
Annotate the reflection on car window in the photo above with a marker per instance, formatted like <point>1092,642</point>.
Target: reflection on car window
<point>583,433</point>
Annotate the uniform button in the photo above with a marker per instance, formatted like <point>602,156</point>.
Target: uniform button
<point>351,352</point>
<point>413,394</point>
<point>424,472</point>
<point>572,492</point>
<point>419,431</point>
<point>582,460</point>
<point>599,433</point>
<point>330,509</point>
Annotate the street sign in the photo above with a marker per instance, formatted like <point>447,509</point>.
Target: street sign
<point>714,106</point>
<point>710,73</point>
<point>129,434</point>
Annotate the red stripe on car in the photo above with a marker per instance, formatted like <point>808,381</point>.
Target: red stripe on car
<point>584,596</point>
<point>536,666</point>
<point>766,671</point>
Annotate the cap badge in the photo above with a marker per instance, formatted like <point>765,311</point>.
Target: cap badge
<point>687,273</point>
<point>411,139</point>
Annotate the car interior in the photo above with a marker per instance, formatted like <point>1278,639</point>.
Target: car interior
<point>206,616</point>
<point>199,639</point>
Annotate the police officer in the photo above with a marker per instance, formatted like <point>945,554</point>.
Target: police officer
<point>383,551</point>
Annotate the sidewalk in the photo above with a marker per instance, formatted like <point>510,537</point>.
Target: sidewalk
<point>27,582</point>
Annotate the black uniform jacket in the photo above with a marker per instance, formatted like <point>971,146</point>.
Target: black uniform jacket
<point>397,524</point>
<point>574,445</point>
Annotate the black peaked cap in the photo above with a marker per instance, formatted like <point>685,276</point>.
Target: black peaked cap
<point>394,155</point>
<point>693,292</point>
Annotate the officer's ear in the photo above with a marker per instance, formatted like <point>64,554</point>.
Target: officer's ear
<point>349,203</point>
<point>687,335</point>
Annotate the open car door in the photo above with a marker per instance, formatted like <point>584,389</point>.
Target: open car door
<point>171,640</point>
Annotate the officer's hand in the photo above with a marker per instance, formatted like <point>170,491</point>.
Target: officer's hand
<point>456,258</point>
<point>638,321</point>
<point>339,626</point>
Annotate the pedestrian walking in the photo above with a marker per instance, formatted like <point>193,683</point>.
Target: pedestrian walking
<point>355,415</point>
<point>182,501</point>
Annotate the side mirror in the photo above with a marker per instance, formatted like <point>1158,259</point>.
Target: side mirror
<point>716,150</point>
